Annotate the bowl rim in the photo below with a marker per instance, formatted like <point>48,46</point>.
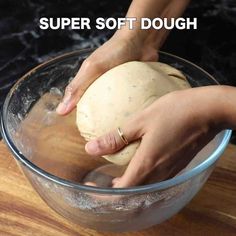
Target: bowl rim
<point>111,191</point>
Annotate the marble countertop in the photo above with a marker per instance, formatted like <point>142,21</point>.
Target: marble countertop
<point>24,45</point>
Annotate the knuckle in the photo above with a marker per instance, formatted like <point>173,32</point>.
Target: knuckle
<point>86,63</point>
<point>70,90</point>
<point>92,63</point>
<point>110,142</point>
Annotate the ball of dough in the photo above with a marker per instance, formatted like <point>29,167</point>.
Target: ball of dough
<point>119,93</point>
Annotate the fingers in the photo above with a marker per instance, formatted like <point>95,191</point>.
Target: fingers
<point>143,162</point>
<point>88,73</point>
<point>112,142</point>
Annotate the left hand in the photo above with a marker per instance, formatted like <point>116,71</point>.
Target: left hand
<point>121,48</point>
<point>172,130</point>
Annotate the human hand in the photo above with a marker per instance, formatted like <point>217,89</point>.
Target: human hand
<point>126,45</point>
<point>119,49</point>
<point>172,130</point>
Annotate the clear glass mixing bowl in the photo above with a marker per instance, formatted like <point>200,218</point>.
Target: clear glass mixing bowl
<point>51,154</point>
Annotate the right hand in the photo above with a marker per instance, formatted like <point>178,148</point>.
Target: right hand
<point>119,49</point>
<point>172,130</point>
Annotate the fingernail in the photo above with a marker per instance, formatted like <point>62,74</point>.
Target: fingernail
<point>61,108</point>
<point>92,147</point>
<point>90,184</point>
<point>116,185</point>
<point>115,181</point>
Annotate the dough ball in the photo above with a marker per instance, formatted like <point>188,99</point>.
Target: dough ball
<point>121,92</point>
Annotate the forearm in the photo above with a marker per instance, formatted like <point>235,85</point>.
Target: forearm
<point>152,9</point>
<point>228,106</point>
<point>217,105</point>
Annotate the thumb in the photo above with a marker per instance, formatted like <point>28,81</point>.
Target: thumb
<point>112,141</point>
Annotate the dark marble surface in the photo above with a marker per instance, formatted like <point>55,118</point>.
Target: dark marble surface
<point>23,45</point>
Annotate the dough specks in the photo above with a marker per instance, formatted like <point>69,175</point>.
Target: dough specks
<point>121,92</point>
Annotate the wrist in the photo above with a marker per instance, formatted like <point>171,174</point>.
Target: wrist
<point>212,108</point>
<point>136,35</point>
<point>228,107</point>
<point>220,104</point>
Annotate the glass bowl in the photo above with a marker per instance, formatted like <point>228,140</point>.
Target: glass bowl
<point>50,152</point>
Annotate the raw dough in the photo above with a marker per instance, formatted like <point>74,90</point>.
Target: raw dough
<point>120,92</point>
